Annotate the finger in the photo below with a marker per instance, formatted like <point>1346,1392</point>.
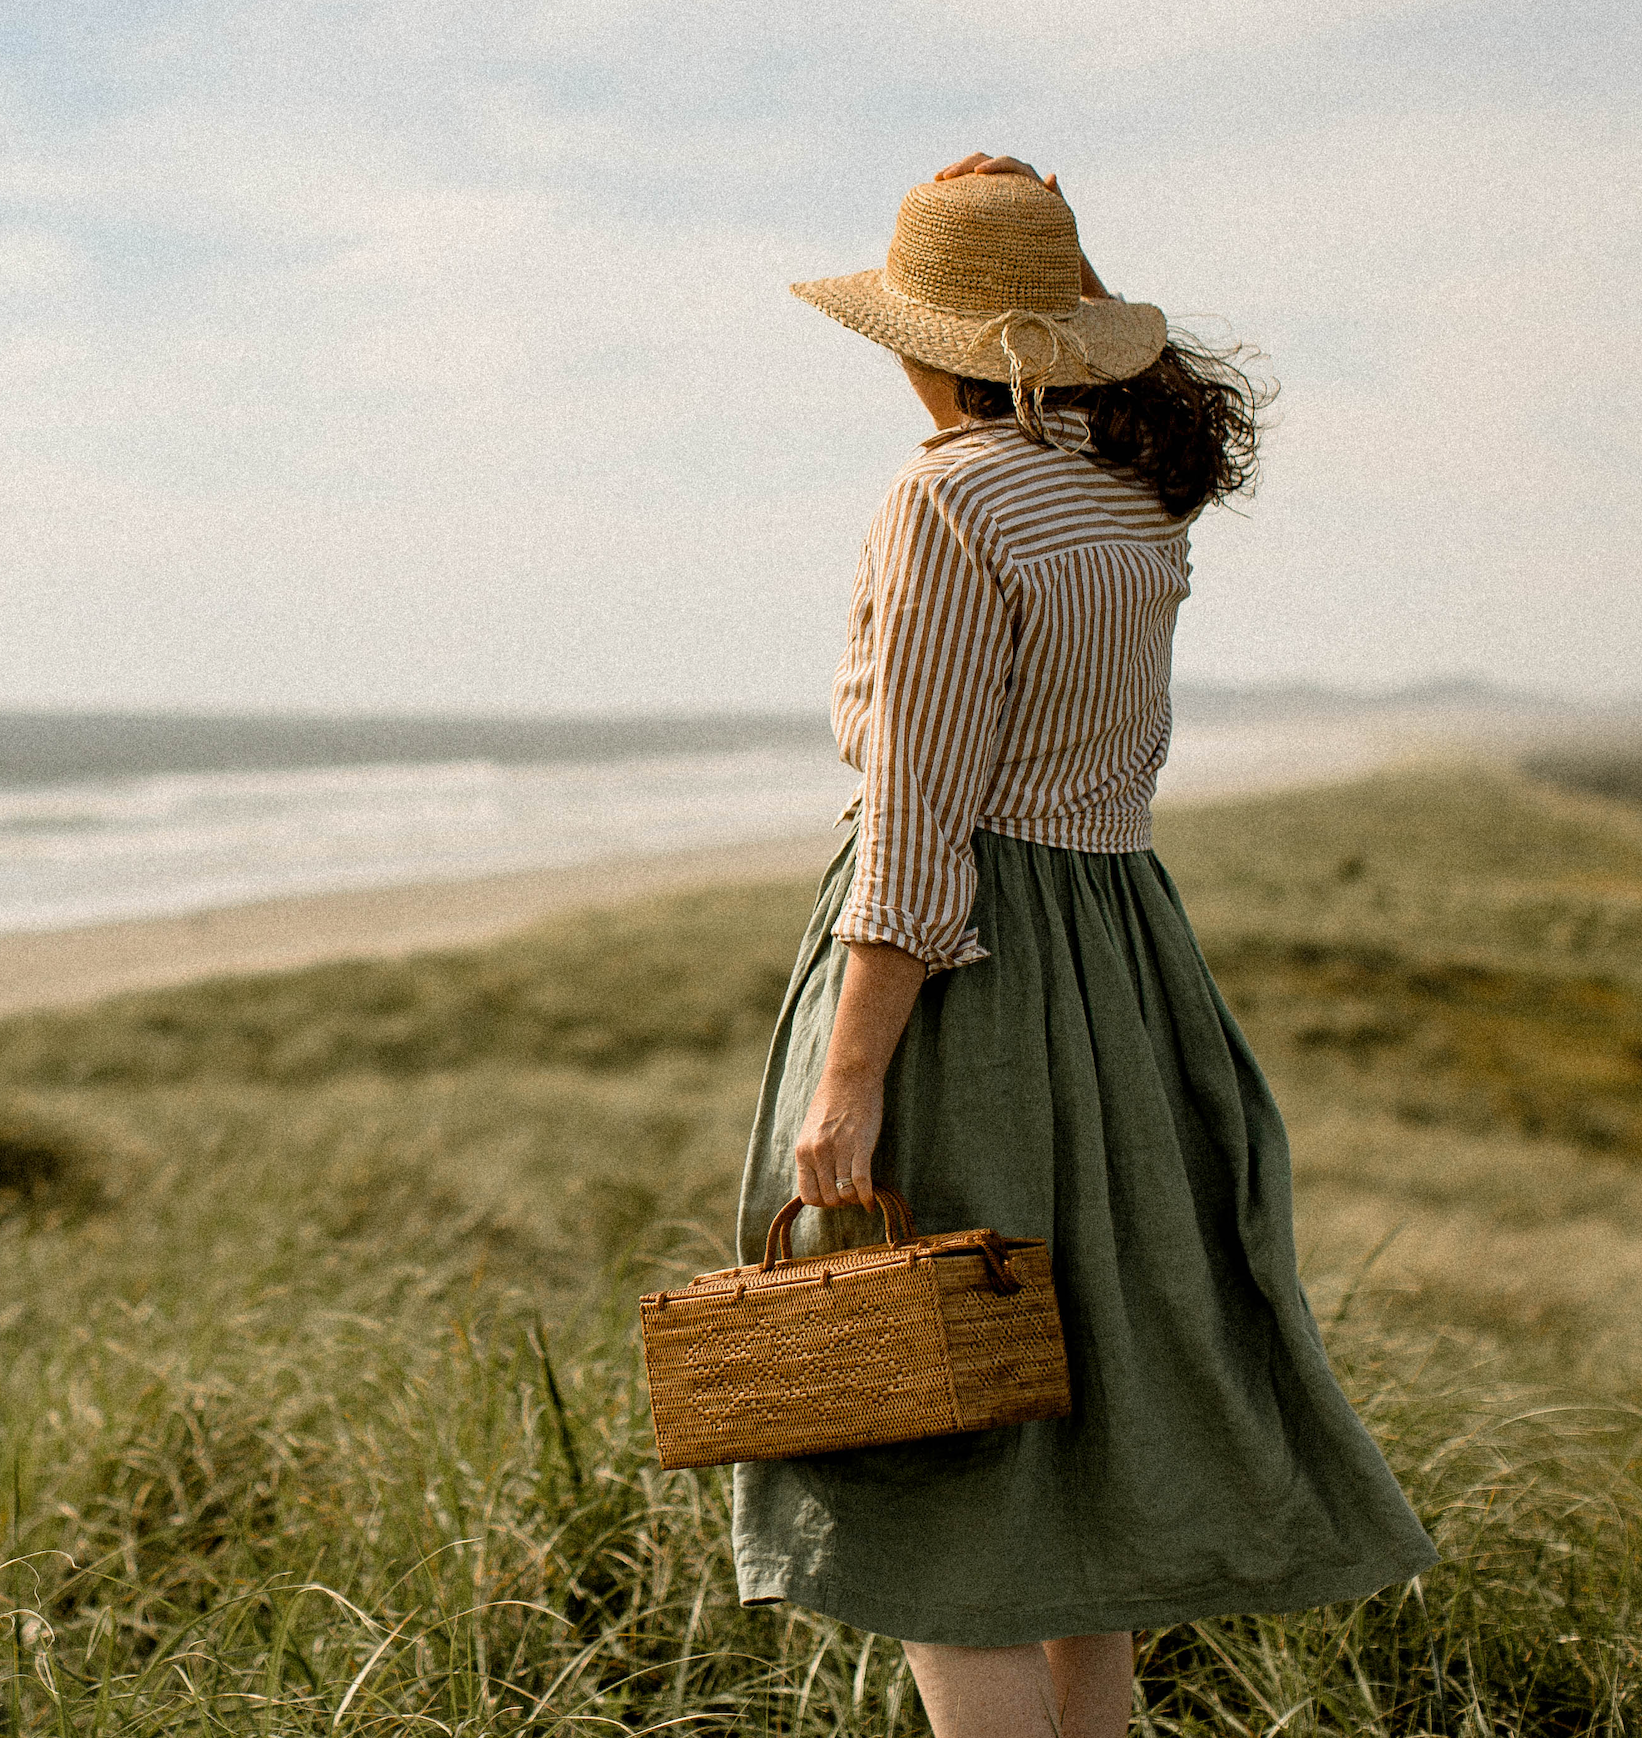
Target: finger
<point>826,1182</point>
<point>1052,182</point>
<point>1006,166</point>
<point>815,1176</point>
<point>964,166</point>
<point>861,1172</point>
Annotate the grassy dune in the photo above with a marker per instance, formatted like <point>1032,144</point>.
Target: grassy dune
<point>320,1406</point>
<point>1443,976</point>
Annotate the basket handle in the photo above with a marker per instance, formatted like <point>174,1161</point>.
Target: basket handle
<point>890,1202</point>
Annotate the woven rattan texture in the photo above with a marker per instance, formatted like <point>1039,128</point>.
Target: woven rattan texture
<point>865,1346</point>
<point>1006,1354</point>
<point>799,1368</point>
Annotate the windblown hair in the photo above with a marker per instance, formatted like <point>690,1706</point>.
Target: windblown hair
<point>1189,425</point>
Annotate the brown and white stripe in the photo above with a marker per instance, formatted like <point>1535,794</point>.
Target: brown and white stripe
<point>1007,669</point>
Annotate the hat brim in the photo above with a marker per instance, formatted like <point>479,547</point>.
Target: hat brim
<point>1103,340</point>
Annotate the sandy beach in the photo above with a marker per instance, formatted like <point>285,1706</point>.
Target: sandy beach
<point>61,967</point>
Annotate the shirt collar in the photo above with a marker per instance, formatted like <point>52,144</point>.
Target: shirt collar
<point>1072,426</point>
<point>942,435</point>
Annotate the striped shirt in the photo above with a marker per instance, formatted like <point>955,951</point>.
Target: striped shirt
<point>1007,669</point>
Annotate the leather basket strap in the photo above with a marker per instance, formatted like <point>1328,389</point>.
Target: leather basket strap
<point>891,1203</point>
<point>1000,1274</point>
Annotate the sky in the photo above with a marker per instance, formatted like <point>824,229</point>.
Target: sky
<point>437,354</point>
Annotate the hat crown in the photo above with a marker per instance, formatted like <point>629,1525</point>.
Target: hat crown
<point>985,244</point>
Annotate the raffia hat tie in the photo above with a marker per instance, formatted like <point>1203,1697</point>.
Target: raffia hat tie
<point>983,280</point>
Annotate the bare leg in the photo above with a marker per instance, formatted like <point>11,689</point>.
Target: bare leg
<point>985,1692</point>
<point>1076,1688</point>
<point>1095,1680</point>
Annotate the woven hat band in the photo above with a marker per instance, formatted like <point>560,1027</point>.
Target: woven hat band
<point>1014,246</point>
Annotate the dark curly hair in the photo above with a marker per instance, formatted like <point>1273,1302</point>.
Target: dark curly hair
<point>1189,425</point>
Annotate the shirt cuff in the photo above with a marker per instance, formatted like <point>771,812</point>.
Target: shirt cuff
<point>895,930</point>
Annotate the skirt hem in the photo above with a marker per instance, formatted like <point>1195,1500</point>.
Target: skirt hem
<point>960,1627</point>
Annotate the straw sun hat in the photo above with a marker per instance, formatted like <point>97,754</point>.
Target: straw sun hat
<point>983,280</point>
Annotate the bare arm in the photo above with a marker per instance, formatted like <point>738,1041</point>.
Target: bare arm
<point>841,1130</point>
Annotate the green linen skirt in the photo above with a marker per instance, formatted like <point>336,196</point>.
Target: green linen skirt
<point>1086,1084</point>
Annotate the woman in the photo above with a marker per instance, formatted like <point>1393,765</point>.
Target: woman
<point>1000,1008</point>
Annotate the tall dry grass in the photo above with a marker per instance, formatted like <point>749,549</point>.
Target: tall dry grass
<point>319,1405</point>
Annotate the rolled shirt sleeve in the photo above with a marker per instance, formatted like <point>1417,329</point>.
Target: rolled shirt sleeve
<point>940,664</point>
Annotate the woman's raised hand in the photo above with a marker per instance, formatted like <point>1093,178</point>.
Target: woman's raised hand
<point>979,163</point>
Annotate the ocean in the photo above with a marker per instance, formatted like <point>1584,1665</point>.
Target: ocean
<point>112,818</point>
<point>165,844</point>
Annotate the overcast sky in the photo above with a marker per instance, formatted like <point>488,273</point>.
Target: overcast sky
<point>437,353</point>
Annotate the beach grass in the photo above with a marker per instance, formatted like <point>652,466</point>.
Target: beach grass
<point>320,1409</point>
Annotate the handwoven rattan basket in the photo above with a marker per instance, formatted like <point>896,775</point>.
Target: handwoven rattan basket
<point>915,1337</point>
